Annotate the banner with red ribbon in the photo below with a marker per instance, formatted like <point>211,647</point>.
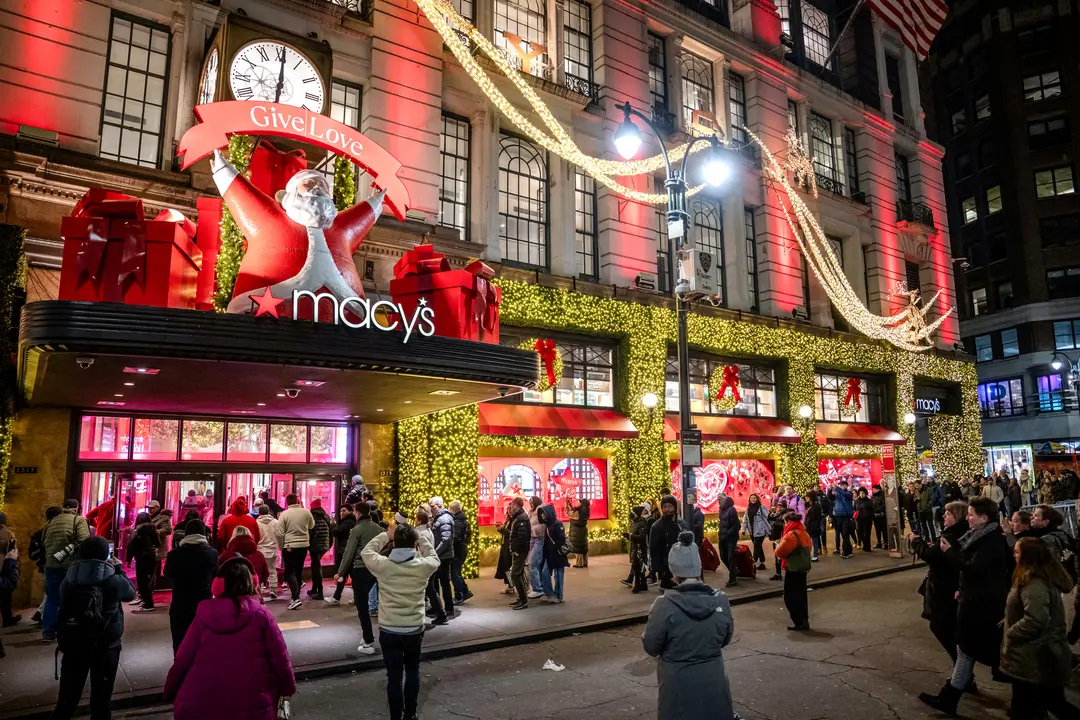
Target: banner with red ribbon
<point>219,120</point>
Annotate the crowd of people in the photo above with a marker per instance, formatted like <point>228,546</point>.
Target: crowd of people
<point>993,592</point>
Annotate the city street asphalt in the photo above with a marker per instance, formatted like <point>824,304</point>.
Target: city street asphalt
<point>868,656</point>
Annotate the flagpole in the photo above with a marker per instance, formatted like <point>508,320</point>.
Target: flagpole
<point>836,44</point>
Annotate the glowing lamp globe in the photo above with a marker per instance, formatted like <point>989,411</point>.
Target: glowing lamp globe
<point>805,412</point>
<point>649,400</point>
<point>716,169</point>
<point>909,418</point>
<point>627,139</point>
<point>1056,363</point>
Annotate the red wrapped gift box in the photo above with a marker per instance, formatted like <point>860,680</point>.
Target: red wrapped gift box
<point>465,302</point>
<point>112,254</point>
<point>270,168</point>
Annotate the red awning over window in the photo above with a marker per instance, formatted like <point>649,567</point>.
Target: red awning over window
<point>716,428</point>
<point>856,434</point>
<point>506,419</point>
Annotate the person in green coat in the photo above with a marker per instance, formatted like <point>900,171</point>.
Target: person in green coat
<point>1034,652</point>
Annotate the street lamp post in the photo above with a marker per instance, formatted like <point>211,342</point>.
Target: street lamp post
<point>627,142</point>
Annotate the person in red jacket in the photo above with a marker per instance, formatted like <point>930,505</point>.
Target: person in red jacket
<point>233,637</point>
<point>238,517</point>
<point>794,550</point>
<point>243,545</point>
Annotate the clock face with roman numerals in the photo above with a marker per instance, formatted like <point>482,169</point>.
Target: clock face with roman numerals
<point>271,71</point>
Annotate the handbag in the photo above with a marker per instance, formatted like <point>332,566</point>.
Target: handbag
<point>284,709</point>
<point>799,559</point>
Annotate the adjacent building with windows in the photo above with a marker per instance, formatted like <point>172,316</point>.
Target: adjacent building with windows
<point>102,97</point>
<point>1000,73</point>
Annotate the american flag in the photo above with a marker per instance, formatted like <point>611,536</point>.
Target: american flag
<point>917,21</point>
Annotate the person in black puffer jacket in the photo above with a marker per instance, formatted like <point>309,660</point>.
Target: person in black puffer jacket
<point>812,522</point>
<point>579,531</point>
<point>462,538</point>
<point>192,567</point>
<point>520,539</point>
<point>142,550</point>
<point>986,566</point>
<point>93,569</point>
<point>864,509</point>
<point>943,576</point>
<point>662,535</point>
<point>320,538</point>
<point>728,536</point>
<point>878,499</point>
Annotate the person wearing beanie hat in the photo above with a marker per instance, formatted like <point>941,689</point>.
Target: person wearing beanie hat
<point>662,536</point>
<point>191,565</point>
<point>91,651</point>
<point>688,628</point>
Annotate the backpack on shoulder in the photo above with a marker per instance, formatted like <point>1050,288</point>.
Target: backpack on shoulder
<point>82,623</point>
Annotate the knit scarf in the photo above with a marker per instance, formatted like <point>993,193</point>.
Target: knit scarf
<point>975,534</point>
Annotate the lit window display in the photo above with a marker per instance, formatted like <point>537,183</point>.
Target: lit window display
<point>288,443</point>
<point>859,472</point>
<point>1011,458</point>
<point>155,439</point>
<point>246,442</point>
<point>203,440</point>
<point>736,478</point>
<point>102,437</point>
<point>328,444</point>
<point>555,480</point>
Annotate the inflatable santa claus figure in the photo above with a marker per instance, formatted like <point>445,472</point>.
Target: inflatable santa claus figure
<point>303,243</point>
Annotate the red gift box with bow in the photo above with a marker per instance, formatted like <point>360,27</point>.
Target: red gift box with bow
<point>271,169</point>
<point>465,302</point>
<point>113,254</point>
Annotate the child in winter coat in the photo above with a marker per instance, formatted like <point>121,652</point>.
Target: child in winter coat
<point>233,636</point>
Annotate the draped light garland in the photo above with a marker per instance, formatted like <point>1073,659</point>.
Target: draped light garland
<point>449,23</point>
<point>907,330</point>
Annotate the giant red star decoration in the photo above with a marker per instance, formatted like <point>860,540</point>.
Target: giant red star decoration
<point>268,304</point>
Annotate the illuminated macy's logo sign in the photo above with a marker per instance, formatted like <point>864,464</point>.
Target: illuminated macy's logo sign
<point>358,312</point>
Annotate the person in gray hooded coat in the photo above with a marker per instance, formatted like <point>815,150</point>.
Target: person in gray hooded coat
<point>688,628</point>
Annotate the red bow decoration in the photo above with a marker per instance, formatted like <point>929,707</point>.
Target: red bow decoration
<point>546,348</point>
<point>422,260</point>
<point>486,301</point>
<point>731,380</point>
<point>854,392</point>
<point>114,211</point>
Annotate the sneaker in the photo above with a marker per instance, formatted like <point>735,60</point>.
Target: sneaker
<point>549,599</point>
<point>846,557</point>
<point>440,621</point>
<point>366,649</point>
<point>627,583</point>
<point>37,617</point>
<point>136,602</point>
<point>144,609</point>
<point>467,596</point>
<point>334,602</point>
<point>814,558</point>
<point>761,566</point>
<point>534,595</point>
<point>295,605</point>
<point>311,592</point>
<point>835,552</point>
<point>729,583</point>
<point>777,577</point>
<point>273,595</point>
<point>519,606</point>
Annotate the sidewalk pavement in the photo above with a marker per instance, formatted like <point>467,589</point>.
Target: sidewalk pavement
<point>322,640</point>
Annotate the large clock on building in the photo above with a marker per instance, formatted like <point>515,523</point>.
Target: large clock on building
<point>246,60</point>
<point>272,71</point>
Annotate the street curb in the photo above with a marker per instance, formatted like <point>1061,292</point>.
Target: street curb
<point>152,702</point>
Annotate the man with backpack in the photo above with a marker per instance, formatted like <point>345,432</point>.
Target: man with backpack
<point>63,535</point>
<point>90,628</point>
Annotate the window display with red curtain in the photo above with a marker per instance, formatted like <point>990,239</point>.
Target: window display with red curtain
<point>554,480</point>
<point>738,478</point>
<point>859,472</point>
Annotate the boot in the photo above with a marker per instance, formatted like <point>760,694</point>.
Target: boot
<point>945,701</point>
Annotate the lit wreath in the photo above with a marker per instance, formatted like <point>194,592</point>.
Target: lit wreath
<point>556,365</point>
<point>847,410</point>
<point>728,400</point>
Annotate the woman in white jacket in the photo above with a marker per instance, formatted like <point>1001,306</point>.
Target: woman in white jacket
<point>756,524</point>
<point>270,539</point>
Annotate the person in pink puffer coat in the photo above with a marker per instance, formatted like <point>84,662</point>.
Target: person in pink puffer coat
<point>233,663</point>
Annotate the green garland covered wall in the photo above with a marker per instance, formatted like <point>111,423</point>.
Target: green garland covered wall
<point>232,240</point>
<point>13,271</point>
<point>344,183</point>
<point>644,333</point>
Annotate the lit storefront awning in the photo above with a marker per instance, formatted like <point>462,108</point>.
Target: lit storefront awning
<point>857,434</point>
<point>716,428</point>
<point>509,419</point>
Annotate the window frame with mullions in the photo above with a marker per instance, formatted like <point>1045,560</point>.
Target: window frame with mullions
<point>545,223</point>
<point>710,236</point>
<point>584,40</point>
<point>586,235</point>
<point>1074,334</point>
<point>874,397</point>
<point>540,64</point>
<point>750,235</point>
<point>160,132</point>
<point>568,345</point>
<point>328,165</point>
<point>751,380</point>
<point>443,177</point>
<point>1014,409</point>
<point>818,145</point>
<point>665,270</point>
<point>737,112</point>
<point>1050,400</point>
<point>809,30</point>
<point>1054,181</point>
<point>1038,91</point>
<point>688,63</point>
<point>658,42</point>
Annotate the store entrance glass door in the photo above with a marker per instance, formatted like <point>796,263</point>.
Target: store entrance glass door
<point>196,493</point>
<point>324,487</point>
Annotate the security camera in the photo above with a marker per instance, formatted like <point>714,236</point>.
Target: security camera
<point>292,392</point>
<point>503,390</point>
<point>84,362</point>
